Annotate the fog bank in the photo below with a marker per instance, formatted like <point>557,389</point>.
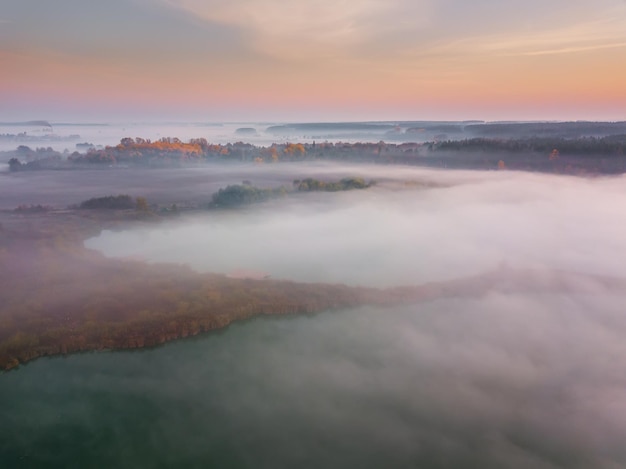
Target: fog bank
<point>506,377</point>
<point>414,226</point>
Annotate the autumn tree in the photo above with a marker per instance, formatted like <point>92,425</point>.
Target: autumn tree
<point>142,204</point>
<point>115,202</point>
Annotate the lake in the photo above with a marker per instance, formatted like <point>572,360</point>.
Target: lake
<point>518,380</point>
<point>495,382</point>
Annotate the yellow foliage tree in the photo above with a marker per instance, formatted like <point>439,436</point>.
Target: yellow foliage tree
<point>142,204</point>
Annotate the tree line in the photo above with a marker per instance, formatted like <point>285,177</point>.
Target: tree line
<point>576,155</point>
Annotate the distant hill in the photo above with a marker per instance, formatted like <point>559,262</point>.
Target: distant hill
<point>568,130</point>
<point>26,124</point>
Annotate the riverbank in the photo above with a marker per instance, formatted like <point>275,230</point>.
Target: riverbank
<point>61,298</point>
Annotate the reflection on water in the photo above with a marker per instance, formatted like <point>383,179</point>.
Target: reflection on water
<point>495,382</point>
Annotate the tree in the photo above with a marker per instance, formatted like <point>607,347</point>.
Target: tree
<point>14,164</point>
<point>114,202</point>
<point>142,204</point>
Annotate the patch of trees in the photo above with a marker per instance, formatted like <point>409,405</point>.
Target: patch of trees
<point>15,164</point>
<point>315,185</point>
<point>112,202</point>
<point>33,208</point>
<point>246,131</point>
<point>582,156</point>
<point>40,158</point>
<point>550,130</point>
<point>245,193</point>
<point>607,146</point>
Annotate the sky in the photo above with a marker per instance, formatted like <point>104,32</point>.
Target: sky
<point>312,60</point>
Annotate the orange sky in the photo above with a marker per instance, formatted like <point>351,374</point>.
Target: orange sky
<point>313,60</point>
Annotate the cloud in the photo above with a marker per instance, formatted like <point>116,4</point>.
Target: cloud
<point>297,29</point>
<point>359,33</point>
<point>120,29</point>
<point>412,58</point>
<point>571,50</point>
<point>582,36</point>
<point>396,30</point>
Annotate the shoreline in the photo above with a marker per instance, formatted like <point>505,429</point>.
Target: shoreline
<point>61,297</point>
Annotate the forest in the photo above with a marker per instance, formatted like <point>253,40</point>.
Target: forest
<point>578,156</point>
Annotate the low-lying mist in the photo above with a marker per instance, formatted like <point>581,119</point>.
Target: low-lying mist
<point>413,226</point>
<point>505,379</point>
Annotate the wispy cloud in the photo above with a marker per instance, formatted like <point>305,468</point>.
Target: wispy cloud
<point>571,50</point>
<point>356,52</point>
<point>584,36</point>
<point>369,31</point>
<point>294,29</point>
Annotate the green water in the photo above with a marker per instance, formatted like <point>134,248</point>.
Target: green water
<point>238,398</point>
<point>449,384</point>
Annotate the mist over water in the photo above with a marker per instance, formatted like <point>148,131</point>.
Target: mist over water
<point>506,379</point>
<point>65,135</point>
<point>503,381</point>
<point>401,232</point>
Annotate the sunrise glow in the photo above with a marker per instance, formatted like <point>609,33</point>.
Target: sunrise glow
<point>313,59</point>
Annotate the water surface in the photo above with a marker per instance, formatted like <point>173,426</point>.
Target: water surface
<point>503,381</point>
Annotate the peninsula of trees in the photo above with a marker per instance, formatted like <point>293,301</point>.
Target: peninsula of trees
<point>59,297</point>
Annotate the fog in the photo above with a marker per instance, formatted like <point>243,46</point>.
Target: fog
<point>502,381</point>
<point>401,231</point>
<point>65,136</point>
<point>511,377</point>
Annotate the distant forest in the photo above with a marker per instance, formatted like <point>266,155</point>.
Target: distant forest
<point>583,155</point>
